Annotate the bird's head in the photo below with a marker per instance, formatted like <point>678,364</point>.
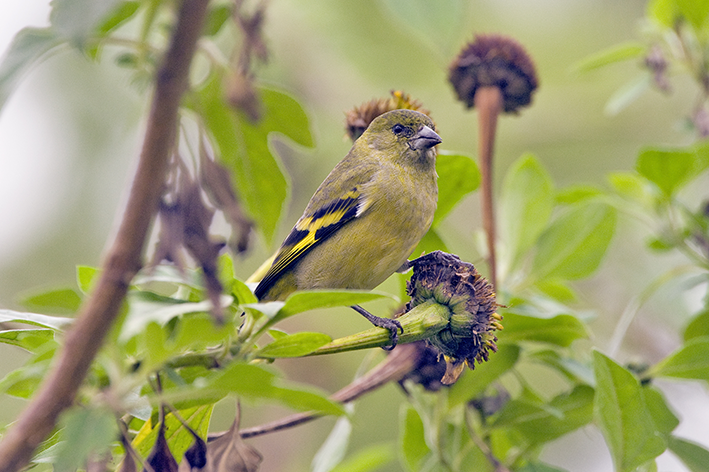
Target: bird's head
<point>407,133</point>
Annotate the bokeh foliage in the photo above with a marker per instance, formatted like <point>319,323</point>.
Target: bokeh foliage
<point>551,237</point>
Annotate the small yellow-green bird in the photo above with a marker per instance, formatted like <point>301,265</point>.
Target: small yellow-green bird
<point>366,218</point>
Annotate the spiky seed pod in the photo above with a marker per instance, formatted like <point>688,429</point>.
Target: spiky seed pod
<point>493,60</point>
<point>470,335</point>
<point>359,118</point>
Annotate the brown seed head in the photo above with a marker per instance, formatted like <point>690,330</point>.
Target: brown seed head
<point>470,334</point>
<point>359,118</point>
<point>498,61</point>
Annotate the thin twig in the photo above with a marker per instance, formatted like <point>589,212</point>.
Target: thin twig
<point>122,262</point>
<point>482,445</point>
<point>397,364</point>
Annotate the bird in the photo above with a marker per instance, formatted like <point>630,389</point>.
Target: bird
<point>367,216</point>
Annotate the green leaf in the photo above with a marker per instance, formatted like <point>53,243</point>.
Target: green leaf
<point>627,94</point>
<point>198,331</point>
<point>169,274</point>
<point>334,448</point>
<point>216,17</point>
<point>28,47</point>
<point>76,19</point>
<point>623,416</point>
<point>660,244</point>
<point>526,205</point>
<point>255,382</point>
<point>154,346</point>
<point>668,169</point>
<point>61,301</point>
<point>28,339</point>
<point>46,452</point>
<point>244,147</point>
<point>576,193</point>
<point>179,439</point>
<point>35,319</point>
<point>147,307</point>
<point>23,382</point>
<point>294,345</point>
<point>665,421</point>
<point>544,423</point>
<point>557,290</point>
<point>371,458</point>
<point>690,361</point>
<point>539,467</point>
<point>701,148</point>
<point>574,244</point>
<point>574,370</point>
<point>631,186</point>
<point>698,326</point>
<point>277,333</point>
<point>242,293</point>
<point>85,277</point>
<point>668,12</point>
<point>124,11</point>
<point>306,300</point>
<point>458,175</point>
<point>561,330</point>
<point>665,12</point>
<point>86,432</point>
<point>412,439</point>
<point>694,456</point>
<point>618,53</point>
<point>474,382</point>
<point>225,272</point>
<point>695,11</point>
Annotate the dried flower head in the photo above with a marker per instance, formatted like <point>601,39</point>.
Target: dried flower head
<point>470,335</point>
<point>359,118</point>
<point>429,368</point>
<point>498,61</point>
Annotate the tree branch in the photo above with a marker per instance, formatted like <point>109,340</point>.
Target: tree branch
<point>124,258</point>
<point>400,362</point>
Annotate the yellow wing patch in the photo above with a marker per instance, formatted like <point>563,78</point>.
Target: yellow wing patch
<point>309,231</point>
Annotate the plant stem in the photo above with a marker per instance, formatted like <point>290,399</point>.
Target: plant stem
<point>96,317</point>
<point>488,102</point>
<point>400,362</point>
<point>422,322</point>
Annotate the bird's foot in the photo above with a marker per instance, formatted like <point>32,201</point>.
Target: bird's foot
<point>387,323</point>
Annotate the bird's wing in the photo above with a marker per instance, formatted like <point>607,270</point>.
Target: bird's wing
<point>311,230</point>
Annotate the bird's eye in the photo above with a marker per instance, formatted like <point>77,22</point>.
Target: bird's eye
<point>399,129</point>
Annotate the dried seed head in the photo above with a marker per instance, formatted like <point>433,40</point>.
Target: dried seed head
<point>497,61</point>
<point>241,95</point>
<point>217,185</point>
<point>429,369</point>
<point>359,118</point>
<point>470,335</point>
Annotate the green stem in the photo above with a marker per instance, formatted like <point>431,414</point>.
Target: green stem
<point>422,322</point>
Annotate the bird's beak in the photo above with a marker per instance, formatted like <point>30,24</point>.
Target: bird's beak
<point>426,138</point>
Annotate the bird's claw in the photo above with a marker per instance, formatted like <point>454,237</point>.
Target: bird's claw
<point>393,328</point>
<point>387,323</point>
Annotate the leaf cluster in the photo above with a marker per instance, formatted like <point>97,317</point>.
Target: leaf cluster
<point>152,389</point>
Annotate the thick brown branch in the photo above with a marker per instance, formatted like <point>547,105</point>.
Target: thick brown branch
<point>124,258</point>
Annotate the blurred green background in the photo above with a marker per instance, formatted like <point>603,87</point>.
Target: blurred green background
<point>70,135</point>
